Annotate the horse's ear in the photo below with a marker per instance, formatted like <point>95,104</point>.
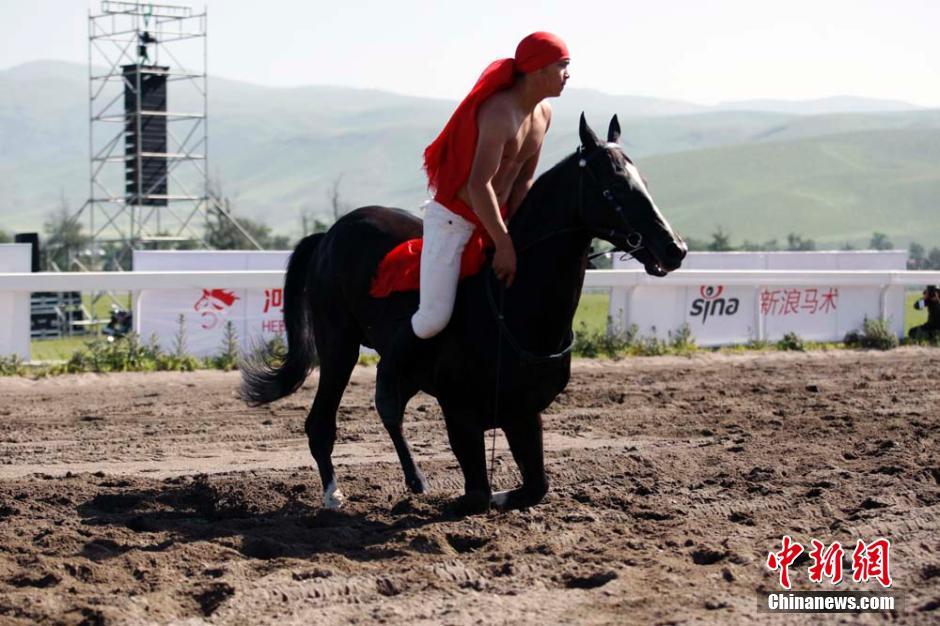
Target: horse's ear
<point>588,138</point>
<point>613,131</point>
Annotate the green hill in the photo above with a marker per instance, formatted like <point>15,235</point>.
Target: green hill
<point>834,189</point>
<point>760,174</point>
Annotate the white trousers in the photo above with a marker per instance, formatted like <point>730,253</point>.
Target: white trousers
<point>445,236</point>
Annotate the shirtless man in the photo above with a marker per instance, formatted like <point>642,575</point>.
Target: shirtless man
<point>481,166</point>
<point>512,124</point>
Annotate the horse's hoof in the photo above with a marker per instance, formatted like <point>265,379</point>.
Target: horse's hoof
<point>472,503</point>
<point>333,498</point>
<point>500,499</point>
<point>418,483</point>
<point>516,499</point>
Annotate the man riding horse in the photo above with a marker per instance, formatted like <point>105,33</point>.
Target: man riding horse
<point>356,284</point>
<point>481,166</point>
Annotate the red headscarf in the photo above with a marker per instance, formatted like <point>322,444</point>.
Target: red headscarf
<point>449,157</point>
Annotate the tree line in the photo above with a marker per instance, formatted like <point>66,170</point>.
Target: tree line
<point>66,245</point>
<point>919,258</point>
<point>66,241</point>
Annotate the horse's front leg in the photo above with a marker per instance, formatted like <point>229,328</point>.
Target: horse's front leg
<point>414,477</point>
<point>525,442</point>
<point>466,440</point>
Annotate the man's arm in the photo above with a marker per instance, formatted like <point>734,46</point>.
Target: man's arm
<point>493,134</point>
<point>527,174</point>
<point>489,152</point>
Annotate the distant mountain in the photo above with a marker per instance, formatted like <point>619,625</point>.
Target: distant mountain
<point>278,150</point>
<point>835,104</point>
<point>834,189</point>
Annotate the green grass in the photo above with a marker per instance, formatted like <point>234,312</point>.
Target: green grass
<point>913,317</point>
<point>62,349</point>
<point>57,349</point>
<point>102,310</point>
<point>592,311</point>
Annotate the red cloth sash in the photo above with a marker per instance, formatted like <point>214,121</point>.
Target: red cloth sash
<point>449,158</point>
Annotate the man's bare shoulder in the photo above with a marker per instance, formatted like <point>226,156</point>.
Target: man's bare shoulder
<point>497,113</point>
<point>546,111</point>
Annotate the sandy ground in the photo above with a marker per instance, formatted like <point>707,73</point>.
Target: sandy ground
<point>159,498</point>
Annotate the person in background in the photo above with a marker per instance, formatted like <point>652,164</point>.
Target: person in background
<point>930,330</point>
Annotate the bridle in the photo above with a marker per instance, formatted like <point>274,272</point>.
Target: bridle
<point>634,243</point>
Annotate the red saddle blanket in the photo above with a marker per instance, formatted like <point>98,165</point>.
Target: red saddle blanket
<point>400,270</point>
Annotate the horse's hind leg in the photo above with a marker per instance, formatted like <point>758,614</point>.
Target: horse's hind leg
<point>525,442</point>
<point>338,353</point>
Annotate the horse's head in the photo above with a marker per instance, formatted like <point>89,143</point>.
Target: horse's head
<point>618,207</point>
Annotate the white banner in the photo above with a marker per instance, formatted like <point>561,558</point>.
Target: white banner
<point>256,314</point>
<point>14,306</point>
<point>720,314</point>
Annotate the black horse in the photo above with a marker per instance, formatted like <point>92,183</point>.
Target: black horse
<point>516,341</point>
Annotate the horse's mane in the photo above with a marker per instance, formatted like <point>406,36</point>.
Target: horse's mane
<point>542,185</point>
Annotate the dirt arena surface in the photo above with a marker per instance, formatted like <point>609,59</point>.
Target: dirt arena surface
<point>159,498</point>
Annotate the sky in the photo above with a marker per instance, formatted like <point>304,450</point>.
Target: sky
<point>699,51</point>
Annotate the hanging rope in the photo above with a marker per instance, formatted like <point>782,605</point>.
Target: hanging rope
<point>499,362</point>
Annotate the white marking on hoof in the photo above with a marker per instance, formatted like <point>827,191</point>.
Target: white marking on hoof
<point>333,498</point>
<point>500,498</point>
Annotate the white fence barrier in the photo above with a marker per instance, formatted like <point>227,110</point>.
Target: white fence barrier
<point>19,284</point>
<point>14,304</point>
<point>256,314</point>
<point>735,297</point>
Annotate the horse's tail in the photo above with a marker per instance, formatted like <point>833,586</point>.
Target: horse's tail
<point>263,381</point>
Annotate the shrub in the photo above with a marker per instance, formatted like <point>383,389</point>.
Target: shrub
<point>791,341</point>
<point>875,334</point>
<point>12,365</point>
<point>125,354</point>
<point>610,342</point>
<point>682,340</point>
<point>585,342</point>
<point>269,353</point>
<point>615,344</point>
<point>228,359</point>
<point>650,346</point>
<point>758,344</point>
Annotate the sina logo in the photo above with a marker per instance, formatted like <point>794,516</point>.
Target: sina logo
<point>711,303</point>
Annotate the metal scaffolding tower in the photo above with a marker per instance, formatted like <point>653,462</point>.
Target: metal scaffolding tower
<point>148,136</point>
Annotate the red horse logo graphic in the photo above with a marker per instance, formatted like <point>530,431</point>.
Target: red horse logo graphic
<point>213,303</point>
<point>710,292</point>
